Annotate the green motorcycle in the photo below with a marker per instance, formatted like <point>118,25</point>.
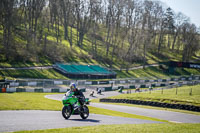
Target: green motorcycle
<point>73,107</point>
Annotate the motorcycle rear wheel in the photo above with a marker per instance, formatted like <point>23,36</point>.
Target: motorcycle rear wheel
<point>66,112</point>
<point>85,112</point>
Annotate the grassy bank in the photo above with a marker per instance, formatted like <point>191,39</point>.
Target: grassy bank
<point>156,72</point>
<point>127,128</point>
<point>43,62</point>
<point>179,95</point>
<point>148,73</point>
<point>33,73</point>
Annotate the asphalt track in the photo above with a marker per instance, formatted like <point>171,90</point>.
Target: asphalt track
<point>176,117</point>
<point>171,116</point>
<point>38,120</point>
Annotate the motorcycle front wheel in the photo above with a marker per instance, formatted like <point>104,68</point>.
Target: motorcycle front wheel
<point>84,112</point>
<point>66,111</point>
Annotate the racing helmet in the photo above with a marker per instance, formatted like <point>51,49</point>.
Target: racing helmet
<point>72,86</point>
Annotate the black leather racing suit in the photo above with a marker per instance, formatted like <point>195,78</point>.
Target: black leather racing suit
<point>80,96</point>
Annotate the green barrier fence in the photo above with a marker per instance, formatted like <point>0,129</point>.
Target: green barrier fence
<point>161,85</point>
<point>94,82</point>
<point>23,84</point>
<point>40,84</point>
<point>55,90</point>
<point>20,90</point>
<point>108,88</point>
<point>142,86</point>
<point>38,90</point>
<point>132,87</point>
<point>153,85</point>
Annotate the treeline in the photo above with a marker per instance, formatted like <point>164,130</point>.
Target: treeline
<point>127,29</point>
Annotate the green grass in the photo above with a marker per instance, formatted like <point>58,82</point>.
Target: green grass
<point>155,72</point>
<point>148,73</point>
<point>36,101</point>
<point>33,73</point>
<point>168,96</point>
<point>27,101</point>
<point>43,62</point>
<point>126,128</point>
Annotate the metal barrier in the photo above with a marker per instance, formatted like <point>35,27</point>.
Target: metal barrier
<point>49,85</point>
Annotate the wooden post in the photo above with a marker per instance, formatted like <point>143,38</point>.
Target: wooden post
<point>191,92</point>
<point>176,90</point>
<point>162,90</point>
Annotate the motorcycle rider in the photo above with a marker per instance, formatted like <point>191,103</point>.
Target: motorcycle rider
<point>77,93</point>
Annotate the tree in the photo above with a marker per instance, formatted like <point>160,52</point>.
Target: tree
<point>190,41</point>
<point>82,19</point>
<point>55,14</point>
<point>7,14</point>
<point>179,20</point>
<point>169,24</point>
<point>127,30</point>
<point>95,15</point>
<point>160,29</point>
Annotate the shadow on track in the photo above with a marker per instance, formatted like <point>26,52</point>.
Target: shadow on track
<point>86,120</point>
<point>94,96</point>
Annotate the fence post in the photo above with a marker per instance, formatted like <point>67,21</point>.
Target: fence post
<point>162,90</point>
<point>191,92</point>
<point>176,90</point>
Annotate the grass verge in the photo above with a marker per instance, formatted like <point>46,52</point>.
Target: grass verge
<point>126,128</point>
<point>189,95</point>
<point>95,110</point>
<point>28,101</point>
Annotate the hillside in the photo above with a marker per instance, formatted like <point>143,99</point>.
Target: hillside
<point>46,33</point>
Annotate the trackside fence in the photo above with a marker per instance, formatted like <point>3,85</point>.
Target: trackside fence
<point>51,85</point>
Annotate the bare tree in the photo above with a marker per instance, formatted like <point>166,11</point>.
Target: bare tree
<point>95,15</point>
<point>190,41</point>
<point>179,20</point>
<point>161,29</point>
<point>147,28</point>
<point>127,30</point>
<point>82,19</point>
<point>7,17</point>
